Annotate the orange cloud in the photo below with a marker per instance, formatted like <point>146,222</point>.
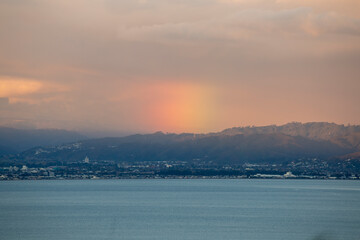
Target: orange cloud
<point>30,90</point>
<point>11,87</point>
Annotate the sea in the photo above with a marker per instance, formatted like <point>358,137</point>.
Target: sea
<point>181,209</point>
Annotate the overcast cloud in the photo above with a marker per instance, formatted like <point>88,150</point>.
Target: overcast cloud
<point>199,65</point>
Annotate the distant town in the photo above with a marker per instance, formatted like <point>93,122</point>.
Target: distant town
<point>317,150</point>
<point>88,169</point>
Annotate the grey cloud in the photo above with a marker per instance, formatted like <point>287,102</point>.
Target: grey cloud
<point>4,102</point>
<point>245,25</point>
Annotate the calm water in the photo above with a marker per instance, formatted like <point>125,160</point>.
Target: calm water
<point>180,209</point>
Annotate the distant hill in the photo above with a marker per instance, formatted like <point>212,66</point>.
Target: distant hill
<point>345,136</point>
<point>17,140</point>
<point>234,146</point>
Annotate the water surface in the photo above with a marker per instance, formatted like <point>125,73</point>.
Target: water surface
<point>180,209</point>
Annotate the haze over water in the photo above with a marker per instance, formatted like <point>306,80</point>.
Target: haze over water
<point>180,209</point>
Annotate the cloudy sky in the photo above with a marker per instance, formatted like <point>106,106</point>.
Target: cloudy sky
<point>175,66</point>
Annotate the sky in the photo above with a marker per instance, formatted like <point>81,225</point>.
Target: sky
<point>178,66</point>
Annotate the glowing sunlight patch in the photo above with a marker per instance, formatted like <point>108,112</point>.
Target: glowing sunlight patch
<point>179,106</point>
<point>10,87</point>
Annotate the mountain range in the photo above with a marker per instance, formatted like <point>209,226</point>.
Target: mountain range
<point>270,144</point>
<point>17,140</point>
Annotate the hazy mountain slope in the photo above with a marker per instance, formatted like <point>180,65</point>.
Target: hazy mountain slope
<point>6,150</point>
<point>220,149</point>
<point>350,140</point>
<point>236,145</point>
<point>355,155</point>
<point>347,136</point>
<point>313,130</point>
<point>16,140</point>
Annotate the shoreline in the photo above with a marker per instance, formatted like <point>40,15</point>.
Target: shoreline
<point>177,177</point>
